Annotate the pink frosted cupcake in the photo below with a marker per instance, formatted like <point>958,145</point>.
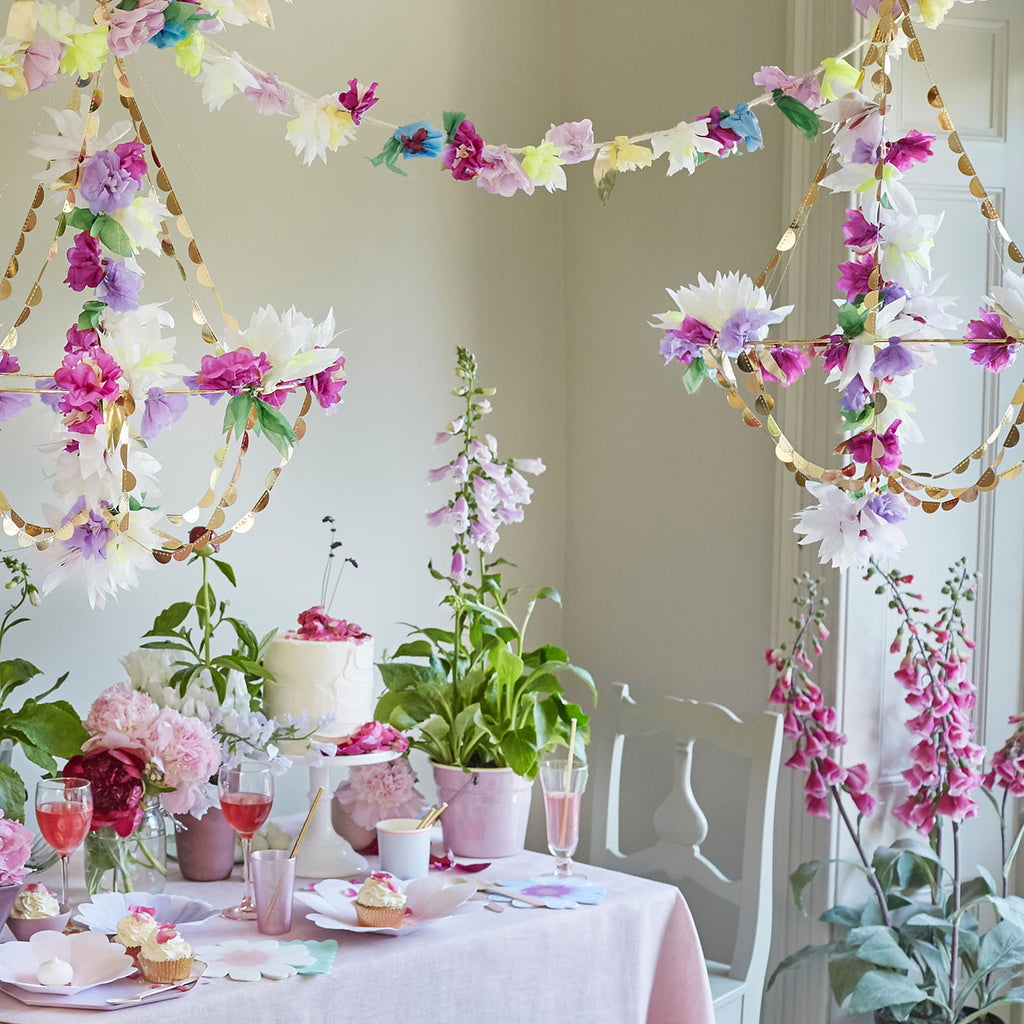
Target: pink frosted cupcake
<point>134,928</point>
<point>380,903</point>
<point>165,956</point>
<point>36,910</point>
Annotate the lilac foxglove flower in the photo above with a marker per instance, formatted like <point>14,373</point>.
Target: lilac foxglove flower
<point>574,140</point>
<point>485,537</point>
<point>106,186</point>
<point>460,470</point>
<point>160,412</point>
<point>458,515</point>
<point>268,96</point>
<point>438,516</point>
<point>120,287</point>
<point>458,570</point>
<point>534,466</point>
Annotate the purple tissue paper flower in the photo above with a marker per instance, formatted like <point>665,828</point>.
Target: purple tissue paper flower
<point>268,96</point>
<point>129,30</point>
<point>890,507</point>
<point>161,411</point>
<point>120,288</point>
<point>501,174</point>
<point>894,361</point>
<point>574,139</point>
<point>92,536</point>
<point>736,331</point>
<point>41,66</point>
<point>106,186</point>
<point>85,268</point>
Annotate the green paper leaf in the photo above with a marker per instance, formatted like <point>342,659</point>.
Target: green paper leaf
<point>112,235</point>
<point>694,375</point>
<point>605,186</point>
<point>389,155</point>
<point>451,119</point>
<point>277,429</point>
<point>851,320</point>
<point>236,415</point>
<point>798,114</point>
<point>81,218</point>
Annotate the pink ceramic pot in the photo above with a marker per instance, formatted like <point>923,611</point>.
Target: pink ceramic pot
<point>206,846</point>
<point>488,819</point>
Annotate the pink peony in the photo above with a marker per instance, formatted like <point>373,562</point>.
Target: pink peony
<point>117,788</point>
<point>121,717</point>
<point>377,791</point>
<point>187,754</point>
<point>316,624</point>
<point>15,847</point>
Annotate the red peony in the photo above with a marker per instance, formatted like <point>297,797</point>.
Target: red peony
<point>116,779</point>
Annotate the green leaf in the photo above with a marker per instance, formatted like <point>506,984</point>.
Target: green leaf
<point>802,956</point>
<point>54,727</point>
<point>519,753</point>
<point>847,917</point>
<point>112,235</point>
<point>14,673</point>
<point>878,989</point>
<point>414,649</point>
<point>972,890</point>
<point>606,185</point>
<point>881,949</point>
<point>12,793</point>
<point>844,974</point>
<point>403,709</point>
<point>167,645</point>
<point>547,594</point>
<point>399,675</point>
<point>276,428</point>
<point>450,120</point>
<point>508,666</point>
<point>1010,908</point>
<point>695,374</point>
<point>170,619</point>
<point>802,877</point>
<point>236,415</point>
<point>226,570</point>
<point>81,218</point>
<point>798,114</point>
<point>1002,946</point>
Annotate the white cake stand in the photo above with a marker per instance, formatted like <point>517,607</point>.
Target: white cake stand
<point>323,853</point>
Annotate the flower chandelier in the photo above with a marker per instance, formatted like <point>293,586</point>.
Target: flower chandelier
<point>118,385</point>
<point>888,325</point>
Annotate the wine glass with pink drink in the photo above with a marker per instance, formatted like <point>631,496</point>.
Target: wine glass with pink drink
<point>63,817</point>
<point>246,796</point>
<point>563,779</point>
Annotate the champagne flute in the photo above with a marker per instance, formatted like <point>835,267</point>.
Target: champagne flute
<point>63,815</point>
<point>563,780</point>
<point>246,796</point>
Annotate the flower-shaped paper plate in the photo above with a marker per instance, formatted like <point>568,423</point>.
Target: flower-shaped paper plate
<point>106,909</point>
<point>333,903</point>
<point>93,959</point>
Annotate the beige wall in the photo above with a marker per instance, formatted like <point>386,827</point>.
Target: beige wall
<point>654,515</point>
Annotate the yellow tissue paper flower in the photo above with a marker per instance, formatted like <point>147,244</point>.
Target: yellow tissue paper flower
<point>343,129</point>
<point>20,86</point>
<point>86,52</point>
<point>188,54</point>
<point>542,165</point>
<point>933,11</point>
<point>626,156</point>
<point>842,72</point>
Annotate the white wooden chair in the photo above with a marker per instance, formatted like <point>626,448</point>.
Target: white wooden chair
<point>681,826</point>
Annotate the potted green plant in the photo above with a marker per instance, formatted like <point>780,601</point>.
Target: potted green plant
<point>44,730</point>
<point>482,705</point>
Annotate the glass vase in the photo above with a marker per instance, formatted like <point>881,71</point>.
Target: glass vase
<point>133,863</point>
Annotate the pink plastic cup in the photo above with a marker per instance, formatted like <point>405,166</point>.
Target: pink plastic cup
<point>273,879</point>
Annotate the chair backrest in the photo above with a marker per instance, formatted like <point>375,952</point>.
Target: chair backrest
<point>680,823</point>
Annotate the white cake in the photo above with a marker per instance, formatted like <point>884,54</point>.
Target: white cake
<point>321,677</point>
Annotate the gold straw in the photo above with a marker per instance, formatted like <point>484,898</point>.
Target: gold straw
<point>305,824</point>
<point>431,816</point>
<point>565,786</point>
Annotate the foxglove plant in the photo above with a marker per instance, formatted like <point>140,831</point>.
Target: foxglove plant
<point>482,699</point>
<point>915,950</point>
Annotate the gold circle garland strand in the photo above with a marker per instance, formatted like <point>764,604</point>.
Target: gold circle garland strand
<point>905,479</point>
<point>117,413</point>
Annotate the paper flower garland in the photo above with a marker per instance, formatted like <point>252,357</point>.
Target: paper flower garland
<point>888,321</point>
<point>118,386</point>
<point>318,124</point>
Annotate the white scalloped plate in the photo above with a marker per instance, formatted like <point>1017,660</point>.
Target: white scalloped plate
<point>106,909</point>
<point>429,899</point>
<point>94,959</point>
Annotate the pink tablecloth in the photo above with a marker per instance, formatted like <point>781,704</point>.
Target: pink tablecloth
<point>635,959</point>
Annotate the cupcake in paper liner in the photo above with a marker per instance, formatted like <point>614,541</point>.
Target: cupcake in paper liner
<point>134,928</point>
<point>380,903</point>
<point>165,956</point>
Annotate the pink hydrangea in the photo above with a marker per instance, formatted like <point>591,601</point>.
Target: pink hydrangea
<point>121,717</point>
<point>15,847</point>
<point>377,791</point>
